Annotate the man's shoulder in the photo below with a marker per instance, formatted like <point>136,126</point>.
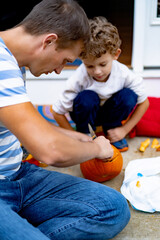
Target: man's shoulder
<point>12,87</point>
<point>6,57</point>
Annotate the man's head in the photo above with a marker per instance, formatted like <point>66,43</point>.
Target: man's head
<point>55,32</point>
<point>62,17</point>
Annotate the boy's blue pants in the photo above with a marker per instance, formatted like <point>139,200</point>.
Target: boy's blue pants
<point>87,109</point>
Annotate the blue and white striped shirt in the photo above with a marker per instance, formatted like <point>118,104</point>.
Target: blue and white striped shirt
<point>12,91</point>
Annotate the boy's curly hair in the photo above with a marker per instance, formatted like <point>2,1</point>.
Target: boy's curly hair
<point>104,38</point>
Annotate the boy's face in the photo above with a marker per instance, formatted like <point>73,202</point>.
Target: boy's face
<point>100,68</point>
<point>54,59</point>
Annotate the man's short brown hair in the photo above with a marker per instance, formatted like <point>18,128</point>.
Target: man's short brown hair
<point>64,17</point>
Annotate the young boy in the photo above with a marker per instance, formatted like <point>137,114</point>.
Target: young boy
<point>103,91</point>
<point>36,203</point>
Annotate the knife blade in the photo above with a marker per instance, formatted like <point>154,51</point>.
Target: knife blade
<point>92,132</point>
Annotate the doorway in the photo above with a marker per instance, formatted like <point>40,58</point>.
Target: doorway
<point>120,14</point>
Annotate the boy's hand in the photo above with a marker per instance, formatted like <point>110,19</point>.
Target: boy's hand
<point>116,134</point>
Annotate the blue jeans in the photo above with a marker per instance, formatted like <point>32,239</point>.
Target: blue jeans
<point>36,204</point>
<point>87,109</point>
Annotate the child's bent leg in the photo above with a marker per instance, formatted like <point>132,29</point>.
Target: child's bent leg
<point>117,108</point>
<point>85,108</point>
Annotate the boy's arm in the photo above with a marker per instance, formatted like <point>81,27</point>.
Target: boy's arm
<point>119,133</point>
<point>136,116</point>
<point>47,144</point>
<point>62,120</point>
<point>65,127</point>
<point>78,82</point>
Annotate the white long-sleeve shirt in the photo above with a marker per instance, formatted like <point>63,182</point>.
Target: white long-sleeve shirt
<point>120,77</point>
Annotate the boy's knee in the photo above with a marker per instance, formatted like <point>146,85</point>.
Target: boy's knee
<point>126,99</point>
<point>129,98</point>
<point>87,99</point>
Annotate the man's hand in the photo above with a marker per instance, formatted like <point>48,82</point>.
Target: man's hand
<point>79,136</point>
<point>74,134</point>
<point>106,150</point>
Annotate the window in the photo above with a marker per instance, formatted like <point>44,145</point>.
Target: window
<point>155,12</point>
<point>158,8</point>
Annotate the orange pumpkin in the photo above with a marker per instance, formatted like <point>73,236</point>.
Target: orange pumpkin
<point>99,171</point>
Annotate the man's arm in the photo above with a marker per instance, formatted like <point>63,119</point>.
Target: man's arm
<point>47,144</point>
<point>73,134</point>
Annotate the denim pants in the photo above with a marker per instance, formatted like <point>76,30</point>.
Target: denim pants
<point>37,204</point>
<point>87,109</point>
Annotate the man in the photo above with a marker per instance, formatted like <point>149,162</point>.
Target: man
<point>56,206</point>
